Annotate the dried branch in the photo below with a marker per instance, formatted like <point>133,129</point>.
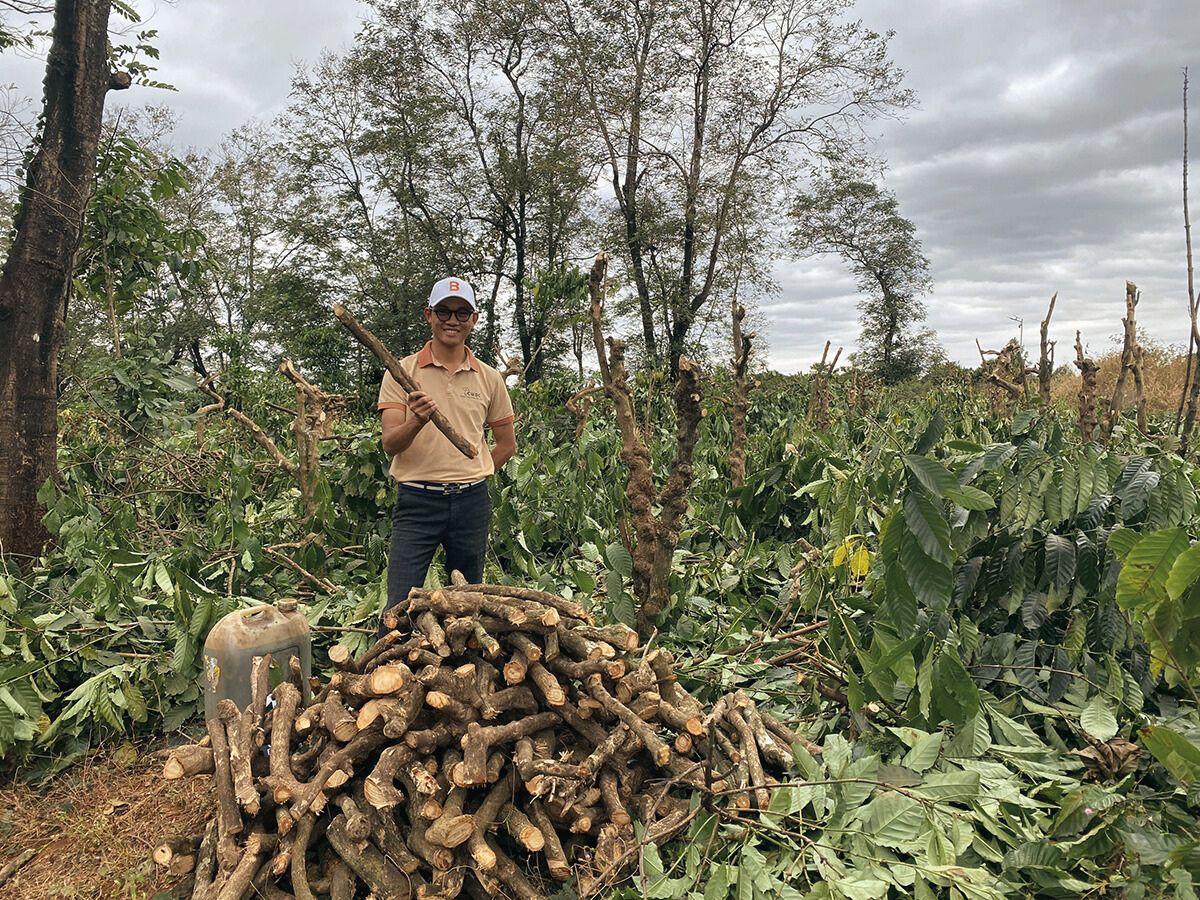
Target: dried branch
<point>580,406</point>
<point>1045,367</point>
<point>372,343</point>
<point>263,439</point>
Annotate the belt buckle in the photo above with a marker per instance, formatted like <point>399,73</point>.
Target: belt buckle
<point>452,489</point>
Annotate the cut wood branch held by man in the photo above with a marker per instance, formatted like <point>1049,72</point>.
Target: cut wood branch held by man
<point>385,356</point>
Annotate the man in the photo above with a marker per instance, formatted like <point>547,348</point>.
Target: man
<point>442,497</point>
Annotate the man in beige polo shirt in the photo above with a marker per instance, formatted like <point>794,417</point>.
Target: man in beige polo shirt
<point>441,496</point>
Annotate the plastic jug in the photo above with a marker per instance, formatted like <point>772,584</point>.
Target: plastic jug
<point>239,637</point>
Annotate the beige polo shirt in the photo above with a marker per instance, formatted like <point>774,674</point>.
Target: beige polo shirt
<point>470,397</point>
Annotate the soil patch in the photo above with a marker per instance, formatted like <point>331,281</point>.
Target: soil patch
<point>94,827</point>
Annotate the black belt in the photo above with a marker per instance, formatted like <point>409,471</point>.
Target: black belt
<point>441,487</point>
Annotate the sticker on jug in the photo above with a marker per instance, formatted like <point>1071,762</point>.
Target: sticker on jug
<point>212,670</point>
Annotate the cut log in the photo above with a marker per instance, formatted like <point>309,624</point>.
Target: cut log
<point>188,760</point>
<point>452,827</point>
<point>659,751</point>
<point>169,851</point>
<point>382,681</point>
<point>556,859</point>
<point>301,886</point>
<point>517,667</point>
<point>523,831</point>
<point>229,817</point>
<point>257,846</point>
<point>551,690</point>
<point>242,750</point>
<point>376,870</point>
<point>568,608</point>
<point>206,862</point>
<point>620,636</point>
<point>341,658</point>
<point>336,719</point>
<point>380,786</point>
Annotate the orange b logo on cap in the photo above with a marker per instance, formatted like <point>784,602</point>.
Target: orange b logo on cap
<point>454,286</point>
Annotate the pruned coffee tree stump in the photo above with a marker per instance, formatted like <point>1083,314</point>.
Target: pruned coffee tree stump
<point>818,390</point>
<point>1131,365</point>
<point>1089,371</point>
<point>739,403</point>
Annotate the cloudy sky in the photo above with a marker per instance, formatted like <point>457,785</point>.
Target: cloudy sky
<point>1044,154</point>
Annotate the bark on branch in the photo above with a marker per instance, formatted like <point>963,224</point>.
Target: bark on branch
<point>1088,371</point>
<point>656,536</point>
<point>372,343</point>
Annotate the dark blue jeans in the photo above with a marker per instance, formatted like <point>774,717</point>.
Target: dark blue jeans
<point>424,520</point>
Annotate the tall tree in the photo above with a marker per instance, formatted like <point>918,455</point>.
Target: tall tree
<point>355,237</point>
<point>702,111</point>
<point>135,259</point>
<point>37,273</point>
<point>480,146</point>
<point>848,214</point>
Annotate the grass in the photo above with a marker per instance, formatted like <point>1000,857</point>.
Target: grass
<point>95,827</point>
<point>1164,367</point>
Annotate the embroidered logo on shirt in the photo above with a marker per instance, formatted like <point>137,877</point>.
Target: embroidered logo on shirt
<point>472,395</point>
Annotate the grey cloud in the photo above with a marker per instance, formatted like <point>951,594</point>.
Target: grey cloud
<point>1044,156</point>
<point>229,61</point>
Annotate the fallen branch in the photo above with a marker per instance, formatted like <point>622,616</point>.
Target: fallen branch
<point>263,439</point>
<point>323,583</point>
<point>15,865</point>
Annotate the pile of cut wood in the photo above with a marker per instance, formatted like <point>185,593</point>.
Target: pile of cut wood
<point>495,741</point>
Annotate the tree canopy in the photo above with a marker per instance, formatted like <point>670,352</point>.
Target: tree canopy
<point>847,214</point>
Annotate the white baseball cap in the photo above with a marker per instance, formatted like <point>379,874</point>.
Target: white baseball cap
<point>452,287</point>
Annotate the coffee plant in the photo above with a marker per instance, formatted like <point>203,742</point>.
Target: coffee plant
<point>991,628</point>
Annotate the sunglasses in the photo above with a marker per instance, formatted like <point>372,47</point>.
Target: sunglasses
<point>462,314</point>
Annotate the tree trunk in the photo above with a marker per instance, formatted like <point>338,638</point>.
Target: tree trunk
<point>741,399</point>
<point>1088,371</point>
<point>627,193</point>
<point>1046,357</point>
<point>677,340</point>
<point>1191,387</point>
<point>34,282</point>
<point>889,344</point>
<point>1128,362</point>
<point>657,534</point>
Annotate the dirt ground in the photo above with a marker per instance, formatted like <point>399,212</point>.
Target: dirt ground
<point>93,828</point>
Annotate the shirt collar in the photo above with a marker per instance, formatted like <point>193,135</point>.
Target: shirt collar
<point>425,358</point>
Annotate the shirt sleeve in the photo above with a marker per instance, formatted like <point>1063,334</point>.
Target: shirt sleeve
<point>500,409</point>
<point>391,395</point>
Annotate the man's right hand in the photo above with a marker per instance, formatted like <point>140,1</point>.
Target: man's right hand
<point>400,427</point>
<point>422,406</point>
